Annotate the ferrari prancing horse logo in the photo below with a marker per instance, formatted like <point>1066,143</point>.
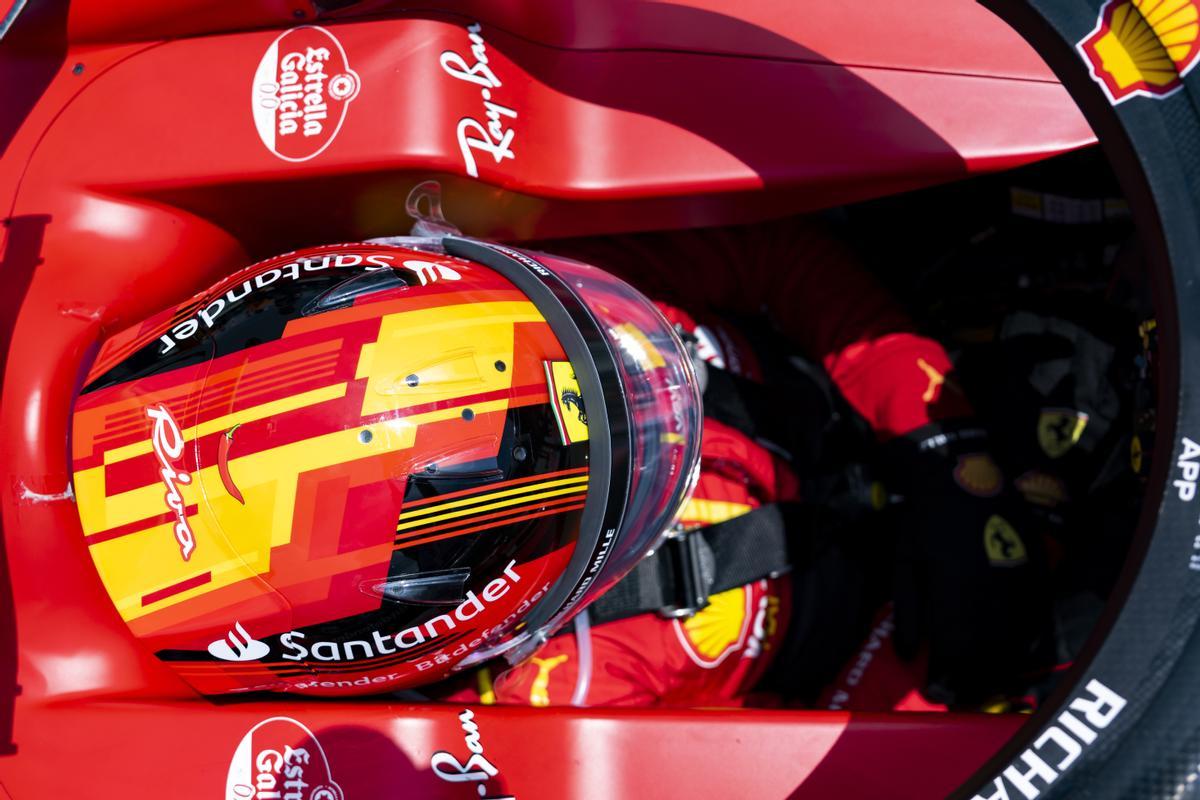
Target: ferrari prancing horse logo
<point>1059,429</point>
<point>1003,546</point>
<point>567,402</point>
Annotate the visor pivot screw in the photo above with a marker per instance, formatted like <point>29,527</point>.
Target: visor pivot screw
<point>77,69</point>
<point>501,366</point>
<point>519,453</point>
<point>412,380</point>
<point>365,436</point>
<point>468,414</point>
<point>431,468</point>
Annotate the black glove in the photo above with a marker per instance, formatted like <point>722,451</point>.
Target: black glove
<point>971,577</point>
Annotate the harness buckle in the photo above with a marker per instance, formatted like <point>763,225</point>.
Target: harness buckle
<point>680,559</point>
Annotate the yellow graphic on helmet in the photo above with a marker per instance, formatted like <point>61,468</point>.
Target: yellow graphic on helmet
<point>569,408</point>
<point>141,568</point>
<point>1003,546</point>
<point>1059,429</point>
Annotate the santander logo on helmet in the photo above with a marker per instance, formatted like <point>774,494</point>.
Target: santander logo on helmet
<point>238,645</point>
<point>296,645</point>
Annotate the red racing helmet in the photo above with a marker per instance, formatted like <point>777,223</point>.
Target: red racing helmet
<point>357,468</point>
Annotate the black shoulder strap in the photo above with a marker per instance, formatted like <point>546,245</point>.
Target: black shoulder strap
<point>679,577</point>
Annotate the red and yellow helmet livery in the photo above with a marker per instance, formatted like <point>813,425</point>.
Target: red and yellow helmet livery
<point>348,469</point>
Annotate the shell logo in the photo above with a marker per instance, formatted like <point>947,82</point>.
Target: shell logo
<point>978,474</point>
<point>709,636</point>
<point>1143,47</point>
<point>1042,489</point>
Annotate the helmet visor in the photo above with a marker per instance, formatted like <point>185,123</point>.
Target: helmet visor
<point>640,402</point>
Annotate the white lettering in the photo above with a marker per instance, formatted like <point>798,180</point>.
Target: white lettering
<point>384,644</point>
<point>286,641</point>
<point>325,651</point>
<point>1099,709</point>
<point>510,572</point>
<point>1190,469</point>
<point>493,138</point>
<point>1069,746</point>
<point>418,638</point>
<point>998,793</point>
<point>264,279</point>
<point>167,442</point>
<point>495,589</point>
<point>246,289</point>
<point>185,329</point>
<point>430,626</point>
<point>1024,780</point>
<point>1085,734</point>
<point>381,644</point>
<point>476,767</point>
<point>448,768</point>
<point>380,260</point>
<point>210,313</point>
<point>472,601</point>
<point>311,93</point>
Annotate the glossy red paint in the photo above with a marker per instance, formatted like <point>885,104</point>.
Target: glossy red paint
<point>133,175</point>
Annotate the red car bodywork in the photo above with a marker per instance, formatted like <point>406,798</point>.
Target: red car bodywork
<point>133,174</point>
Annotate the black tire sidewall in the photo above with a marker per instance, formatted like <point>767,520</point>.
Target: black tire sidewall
<point>1145,649</point>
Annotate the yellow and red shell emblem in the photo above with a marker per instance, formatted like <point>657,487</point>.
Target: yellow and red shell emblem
<point>979,475</point>
<point>1042,489</point>
<point>1143,47</point>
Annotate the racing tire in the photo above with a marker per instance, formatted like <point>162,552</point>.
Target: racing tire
<point>1123,722</point>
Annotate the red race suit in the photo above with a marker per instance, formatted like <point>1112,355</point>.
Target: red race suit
<point>825,306</point>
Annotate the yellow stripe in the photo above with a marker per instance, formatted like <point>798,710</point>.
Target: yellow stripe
<point>487,694</point>
<point>435,508</point>
<point>489,506</point>
<point>226,422</point>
